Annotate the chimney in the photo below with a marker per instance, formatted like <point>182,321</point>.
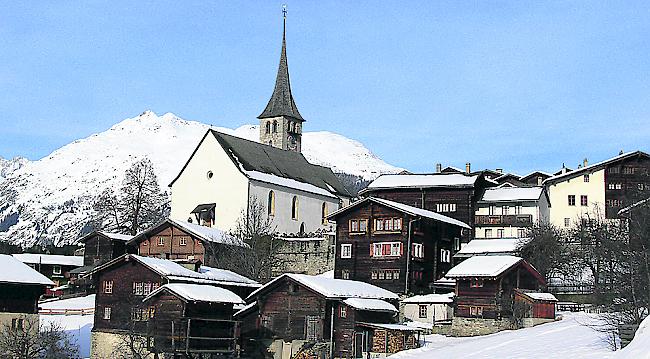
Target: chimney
<point>585,162</point>
<point>499,170</point>
<point>438,167</point>
<point>468,167</point>
<point>621,152</point>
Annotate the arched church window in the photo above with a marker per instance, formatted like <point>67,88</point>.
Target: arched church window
<point>324,213</point>
<point>302,228</point>
<point>270,207</point>
<point>294,207</point>
<point>268,127</point>
<point>275,126</point>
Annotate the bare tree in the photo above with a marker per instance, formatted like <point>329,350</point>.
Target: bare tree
<point>261,252</point>
<point>33,341</point>
<point>545,250</point>
<point>138,204</point>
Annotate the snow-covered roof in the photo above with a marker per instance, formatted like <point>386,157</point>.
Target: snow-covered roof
<point>400,327</point>
<point>328,274</point>
<point>507,194</point>
<point>333,288</point>
<point>422,181</point>
<point>431,298</point>
<point>85,302</point>
<point>633,205</point>
<point>302,239</point>
<point>246,308</point>
<point>591,168</point>
<point>289,183</point>
<point>444,281</point>
<point>226,277</point>
<point>523,178</point>
<point>204,233</point>
<point>375,305</point>
<point>414,211</point>
<point>55,259</point>
<point>15,271</point>
<point>198,293</point>
<point>118,236</point>
<point>490,246</point>
<point>506,175</point>
<point>541,296</point>
<point>483,266</point>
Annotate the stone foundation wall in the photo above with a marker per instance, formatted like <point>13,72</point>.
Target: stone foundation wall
<point>531,322</point>
<point>468,327</point>
<point>105,345</point>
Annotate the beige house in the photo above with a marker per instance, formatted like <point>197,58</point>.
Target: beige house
<point>508,212</point>
<point>429,308</point>
<point>601,189</point>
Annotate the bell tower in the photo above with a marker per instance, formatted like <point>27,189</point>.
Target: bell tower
<point>280,122</point>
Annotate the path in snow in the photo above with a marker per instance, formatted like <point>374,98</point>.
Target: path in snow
<point>567,338</point>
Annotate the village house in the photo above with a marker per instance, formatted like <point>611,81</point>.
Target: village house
<point>452,194</point>
<point>182,241</point>
<point>393,245</point>
<point>509,180</point>
<point>485,293</point>
<point>490,247</point>
<point>601,189</point>
<point>535,178</point>
<point>122,285</point>
<point>193,319</point>
<point>509,212</point>
<point>323,316</point>
<point>20,288</point>
<point>429,309</point>
<point>54,266</point>
<point>226,176</point>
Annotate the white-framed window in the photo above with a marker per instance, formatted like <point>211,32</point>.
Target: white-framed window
<point>358,226</point>
<point>488,233</point>
<point>56,269</point>
<point>445,255</point>
<point>422,311</point>
<point>476,283</point>
<point>386,249</point>
<point>585,178</point>
<point>107,313</point>
<point>476,311</point>
<point>518,208</point>
<point>343,311</point>
<point>505,210</point>
<point>521,233</point>
<point>384,274</point>
<point>161,241</point>
<point>492,210</point>
<point>388,224</point>
<point>499,233</point>
<point>147,288</point>
<point>346,250</point>
<point>345,274</point>
<point>182,241</point>
<point>456,244</point>
<point>138,288</point>
<point>640,186</point>
<point>445,207</point>
<point>418,250</point>
<point>108,286</point>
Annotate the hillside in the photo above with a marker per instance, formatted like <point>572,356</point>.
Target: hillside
<point>50,200</point>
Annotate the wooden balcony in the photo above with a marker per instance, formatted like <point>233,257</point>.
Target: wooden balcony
<point>517,220</point>
<point>192,335</point>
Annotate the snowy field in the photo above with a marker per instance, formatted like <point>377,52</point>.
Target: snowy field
<point>567,338</point>
<point>77,326</point>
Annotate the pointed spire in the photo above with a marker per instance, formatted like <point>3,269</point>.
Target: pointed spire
<point>281,102</point>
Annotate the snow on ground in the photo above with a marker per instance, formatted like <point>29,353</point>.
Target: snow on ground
<point>639,347</point>
<point>78,303</point>
<point>567,338</point>
<point>77,326</point>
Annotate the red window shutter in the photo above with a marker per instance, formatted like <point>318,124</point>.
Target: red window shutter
<point>372,250</point>
<point>401,249</point>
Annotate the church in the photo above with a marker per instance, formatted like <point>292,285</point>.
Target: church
<point>227,175</point>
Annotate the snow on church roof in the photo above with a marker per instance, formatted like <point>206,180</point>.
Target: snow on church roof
<point>54,259</point>
<point>375,305</point>
<point>288,182</point>
<point>511,194</point>
<point>333,288</point>
<point>15,271</point>
<point>483,266</point>
<point>422,180</point>
<point>198,293</point>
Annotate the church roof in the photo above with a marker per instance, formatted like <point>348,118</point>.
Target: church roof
<point>253,156</point>
<point>281,102</point>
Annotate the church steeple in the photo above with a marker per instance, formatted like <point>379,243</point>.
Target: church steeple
<point>280,122</point>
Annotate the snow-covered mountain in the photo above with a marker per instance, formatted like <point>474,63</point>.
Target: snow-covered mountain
<point>7,167</point>
<point>50,200</point>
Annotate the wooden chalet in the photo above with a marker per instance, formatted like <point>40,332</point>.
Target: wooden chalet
<point>192,319</point>
<point>541,305</point>
<point>485,290</point>
<point>123,283</point>
<point>453,193</point>
<point>321,316</point>
<point>395,246</point>
<point>20,288</point>
<point>55,267</point>
<point>178,240</point>
<point>535,178</point>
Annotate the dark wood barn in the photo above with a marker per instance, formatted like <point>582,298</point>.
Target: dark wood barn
<point>395,246</point>
<point>542,305</point>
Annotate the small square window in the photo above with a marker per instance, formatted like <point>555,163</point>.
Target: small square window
<point>586,178</point>
<point>422,311</point>
<point>108,286</point>
<point>56,269</point>
<point>345,274</point>
<point>343,311</point>
<point>476,283</point>
<point>182,241</point>
<point>571,200</point>
<point>346,250</point>
<point>107,313</point>
<point>161,241</point>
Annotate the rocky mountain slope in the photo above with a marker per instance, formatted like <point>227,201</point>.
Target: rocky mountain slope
<point>50,200</point>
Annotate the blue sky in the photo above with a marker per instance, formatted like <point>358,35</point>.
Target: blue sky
<point>521,85</point>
